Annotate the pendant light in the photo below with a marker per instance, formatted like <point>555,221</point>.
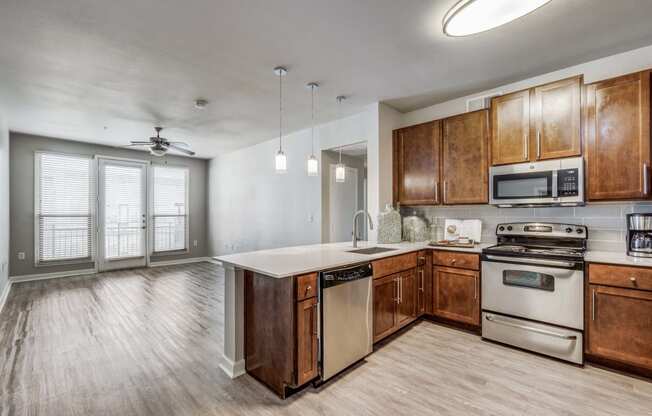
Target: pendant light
<point>340,169</point>
<point>281,161</point>
<point>313,162</point>
<point>468,17</point>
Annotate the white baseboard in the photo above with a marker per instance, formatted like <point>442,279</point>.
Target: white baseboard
<point>233,369</point>
<point>53,275</point>
<point>180,261</point>
<point>5,295</point>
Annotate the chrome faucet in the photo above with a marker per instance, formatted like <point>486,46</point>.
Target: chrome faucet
<point>355,221</point>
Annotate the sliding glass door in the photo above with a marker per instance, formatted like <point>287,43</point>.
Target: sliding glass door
<point>122,201</point>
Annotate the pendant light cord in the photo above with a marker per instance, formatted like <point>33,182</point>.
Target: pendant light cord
<point>280,112</point>
<point>312,138</point>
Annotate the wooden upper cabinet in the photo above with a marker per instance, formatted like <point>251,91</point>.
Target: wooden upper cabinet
<point>416,164</point>
<point>556,119</point>
<point>510,128</point>
<point>618,138</point>
<point>465,172</point>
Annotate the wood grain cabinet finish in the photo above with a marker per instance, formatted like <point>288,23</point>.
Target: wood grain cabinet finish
<point>407,301</point>
<point>456,259</point>
<point>620,325</point>
<point>618,138</point>
<point>465,174</point>
<point>620,276</point>
<point>456,295</point>
<point>307,340</point>
<point>556,119</point>
<point>424,279</point>
<point>416,164</point>
<point>395,264</point>
<point>510,128</point>
<point>385,301</point>
<point>306,286</point>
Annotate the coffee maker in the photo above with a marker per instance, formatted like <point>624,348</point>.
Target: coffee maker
<point>639,235</point>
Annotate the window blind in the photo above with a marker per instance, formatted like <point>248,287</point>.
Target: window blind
<point>170,217</point>
<point>64,218</point>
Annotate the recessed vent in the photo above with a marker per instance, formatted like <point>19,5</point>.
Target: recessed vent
<point>480,103</point>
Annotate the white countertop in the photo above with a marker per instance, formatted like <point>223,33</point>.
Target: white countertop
<point>292,261</point>
<point>616,257</point>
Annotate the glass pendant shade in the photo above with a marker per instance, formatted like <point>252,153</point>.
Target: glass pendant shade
<point>468,17</point>
<point>340,173</point>
<point>313,166</point>
<point>158,150</point>
<point>281,162</point>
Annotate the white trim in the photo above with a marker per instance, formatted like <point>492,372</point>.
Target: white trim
<point>5,295</point>
<point>53,275</point>
<point>181,261</point>
<point>232,369</point>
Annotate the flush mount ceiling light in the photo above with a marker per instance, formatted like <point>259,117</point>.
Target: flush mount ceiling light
<point>468,17</point>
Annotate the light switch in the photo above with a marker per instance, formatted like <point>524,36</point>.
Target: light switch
<point>21,255</point>
<point>194,243</point>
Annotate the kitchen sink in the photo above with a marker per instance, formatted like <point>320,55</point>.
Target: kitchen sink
<point>371,250</point>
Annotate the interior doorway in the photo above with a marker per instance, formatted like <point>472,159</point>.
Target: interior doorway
<point>341,199</point>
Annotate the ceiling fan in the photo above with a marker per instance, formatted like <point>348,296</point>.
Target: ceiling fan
<point>159,146</point>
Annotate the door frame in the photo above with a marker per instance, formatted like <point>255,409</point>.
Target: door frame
<point>101,263</point>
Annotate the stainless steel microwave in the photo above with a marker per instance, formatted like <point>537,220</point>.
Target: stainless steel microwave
<point>558,182</point>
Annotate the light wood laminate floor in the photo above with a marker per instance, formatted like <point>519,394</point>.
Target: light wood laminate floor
<point>148,342</point>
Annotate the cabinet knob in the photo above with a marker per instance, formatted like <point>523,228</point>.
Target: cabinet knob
<point>632,279</point>
<point>453,261</point>
<point>308,288</point>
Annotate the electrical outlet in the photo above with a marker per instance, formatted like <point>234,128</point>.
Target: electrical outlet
<point>21,255</point>
<point>194,243</point>
<point>311,218</point>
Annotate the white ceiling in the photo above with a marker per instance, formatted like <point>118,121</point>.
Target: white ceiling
<point>70,68</point>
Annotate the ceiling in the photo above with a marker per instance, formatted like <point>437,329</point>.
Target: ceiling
<point>107,71</point>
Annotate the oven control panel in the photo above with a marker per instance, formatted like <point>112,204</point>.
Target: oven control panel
<point>568,182</point>
<point>543,230</point>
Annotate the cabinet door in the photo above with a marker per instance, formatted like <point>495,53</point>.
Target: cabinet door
<point>620,325</point>
<point>385,303</point>
<point>416,164</point>
<point>457,294</point>
<point>556,118</point>
<point>407,305</point>
<point>510,128</point>
<point>465,175</point>
<point>424,280</point>
<point>306,340</point>
<point>618,138</point>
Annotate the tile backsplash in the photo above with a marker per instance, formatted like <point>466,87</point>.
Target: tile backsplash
<point>605,221</point>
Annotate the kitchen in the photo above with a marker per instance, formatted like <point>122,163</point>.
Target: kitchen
<point>543,155</point>
<point>325,208</point>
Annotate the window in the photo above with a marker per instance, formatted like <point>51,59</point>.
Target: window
<point>170,204</point>
<point>63,208</point>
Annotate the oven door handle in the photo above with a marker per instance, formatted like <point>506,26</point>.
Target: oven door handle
<point>541,262</point>
<point>491,318</point>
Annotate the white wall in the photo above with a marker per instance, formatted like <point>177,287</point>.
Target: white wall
<point>4,204</point>
<point>252,208</point>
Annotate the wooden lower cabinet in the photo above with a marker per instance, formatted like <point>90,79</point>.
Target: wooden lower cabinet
<point>395,302</point>
<point>424,282</point>
<point>619,325</point>
<point>456,295</point>
<point>307,340</point>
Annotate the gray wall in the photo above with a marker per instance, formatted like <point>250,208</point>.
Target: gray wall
<point>4,204</point>
<point>21,176</point>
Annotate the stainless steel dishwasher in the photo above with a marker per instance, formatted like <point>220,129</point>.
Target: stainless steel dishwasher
<point>346,330</point>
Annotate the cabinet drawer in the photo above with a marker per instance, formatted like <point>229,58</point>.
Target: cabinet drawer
<point>306,286</point>
<point>453,259</point>
<point>395,264</point>
<point>620,276</point>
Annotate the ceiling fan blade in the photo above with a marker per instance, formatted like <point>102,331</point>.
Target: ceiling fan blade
<point>138,142</point>
<point>181,149</point>
<point>183,144</point>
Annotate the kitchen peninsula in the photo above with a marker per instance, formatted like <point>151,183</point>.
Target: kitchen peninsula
<point>282,351</point>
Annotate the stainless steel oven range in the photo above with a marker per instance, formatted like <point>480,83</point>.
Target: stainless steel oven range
<point>533,288</point>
